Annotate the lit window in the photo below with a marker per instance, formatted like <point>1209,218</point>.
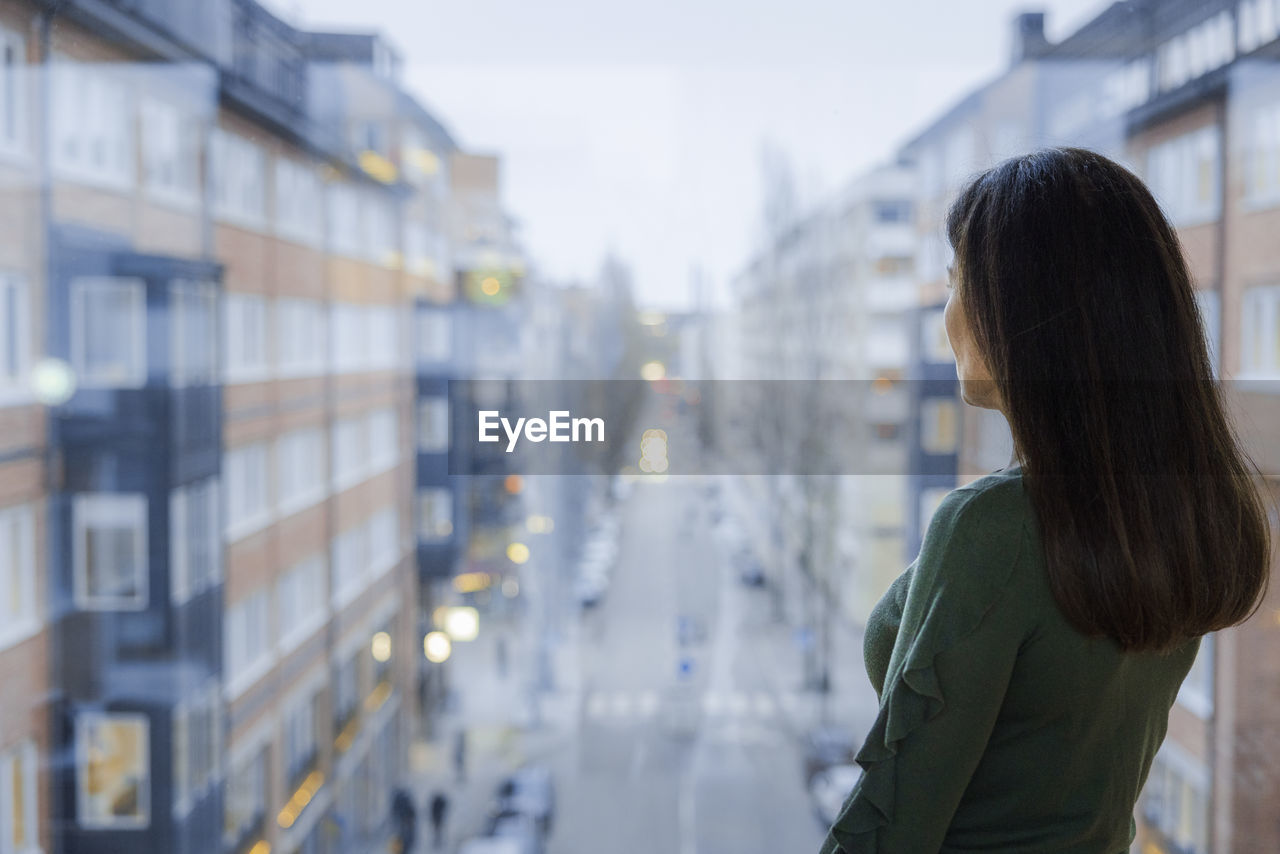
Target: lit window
<point>109,332</point>
<point>110,551</point>
<point>19,617</point>
<point>939,424</point>
<point>113,780</point>
<point>19,768</point>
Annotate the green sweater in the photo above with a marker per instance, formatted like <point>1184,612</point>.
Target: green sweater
<point>1001,727</point>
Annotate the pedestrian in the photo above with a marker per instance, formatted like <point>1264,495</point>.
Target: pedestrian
<point>460,755</point>
<point>439,807</point>
<point>405,819</point>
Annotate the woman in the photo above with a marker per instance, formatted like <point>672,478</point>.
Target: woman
<point>1027,660</point>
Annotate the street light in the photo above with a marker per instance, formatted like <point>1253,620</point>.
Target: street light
<point>437,647</point>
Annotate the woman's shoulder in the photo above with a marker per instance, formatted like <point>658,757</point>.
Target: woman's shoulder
<point>992,511</point>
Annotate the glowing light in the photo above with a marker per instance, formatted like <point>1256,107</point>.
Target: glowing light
<point>262,846</point>
<point>651,318</point>
<point>653,451</point>
<point>467,582</point>
<point>53,382</point>
<point>381,647</point>
<point>513,483</point>
<point>378,167</point>
<point>653,371</point>
<point>540,524</point>
<point>517,553</point>
<point>462,623</point>
<point>510,588</point>
<point>490,286</point>
<point>437,647</point>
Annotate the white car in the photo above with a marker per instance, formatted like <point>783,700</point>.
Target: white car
<point>829,788</point>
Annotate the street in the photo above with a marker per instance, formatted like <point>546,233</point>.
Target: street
<point>656,744</point>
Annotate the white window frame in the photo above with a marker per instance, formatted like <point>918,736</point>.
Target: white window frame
<point>292,451</point>
<point>114,509</point>
<point>192,303</point>
<point>383,451</point>
<point>1172,173</point>
<point>18,569</point>
<point>300,327</point>
<point>299,202</point>
<point>238,168</point>
<point>83,721</point>
<point>241,672</point>
<point>170,134</point>
<point>245,337</point>
<point>92,108</point>
<point>237,463</point>
<point>303,587</point>
<point>134,374</point>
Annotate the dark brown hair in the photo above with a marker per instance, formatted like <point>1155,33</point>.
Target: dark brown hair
<point>1078,295</point>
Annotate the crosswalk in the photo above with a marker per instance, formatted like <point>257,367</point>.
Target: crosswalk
<point>623,705</point>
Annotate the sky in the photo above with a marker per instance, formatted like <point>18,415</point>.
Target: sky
<point>638,129</point>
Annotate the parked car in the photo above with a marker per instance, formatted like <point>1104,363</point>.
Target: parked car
<point>519,827</point>
<point>827,746</point>
<point>530,791</point>
<point>829,788</point>
<point>493,845</point>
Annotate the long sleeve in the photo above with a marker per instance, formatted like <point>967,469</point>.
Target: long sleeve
<point>950,667</point>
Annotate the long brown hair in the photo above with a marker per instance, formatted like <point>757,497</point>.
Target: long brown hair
<point>1079,297</point>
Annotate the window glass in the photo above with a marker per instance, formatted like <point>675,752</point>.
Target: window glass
<point>110,549</point>
<point>113,770</point>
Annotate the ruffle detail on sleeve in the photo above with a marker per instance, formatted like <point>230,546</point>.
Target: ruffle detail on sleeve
<point>952,609</point>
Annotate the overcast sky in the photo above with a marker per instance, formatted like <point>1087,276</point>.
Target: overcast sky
<point>637,128</point>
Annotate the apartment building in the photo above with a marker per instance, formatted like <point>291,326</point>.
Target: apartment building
<point>831,299</point>
<point>25,637</point>
<point>216,226</point>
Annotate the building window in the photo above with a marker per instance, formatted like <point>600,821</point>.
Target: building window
<point>13,94</point>
<point>894,265</point>
<point>19,767</point>
<point>247,645</point>
<point>898,210</point>
<point>245,797</point>
<point>109,332</point>
<point>939,426</point>
<point>434,336</point>
<point>384,439</point>
<point>92,125</point>
<point>350,451</point>
<point>113,770</point>
<point>935,346</point>
<point>300,740</point>
<point>15,336</point>
<point>239,169</point>
<point>193,340</point>
<point>381,232</point>
<point>433,424</point>
<point>19,617</point>
<point>170,153</point>
<point>1184,174</point>
<point>344,226</point>
<point>1260,332</point>
<point>885,431</point>
<point>349,337</point>
<point>435,514</point>
<point>1257,24</point>
<point>350,560</point>
<point>384,539</point>
<point>1262,159</point>
<point>195,540</point>
<point>110,551</point>
<point>248,490</point>
<point>346,692</point>
<point>299,209</point>
<point>1175,799</point>
<point>384,337</point>
<point>300,337</point>
<point>244,337</point>
<point>300,601</point>
<point>197,723</point>
<point>300,469</point>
